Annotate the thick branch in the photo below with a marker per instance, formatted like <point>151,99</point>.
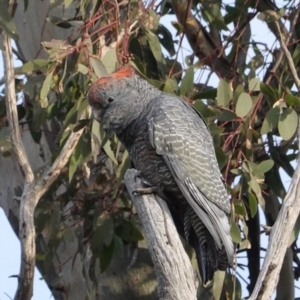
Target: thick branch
<point>32,192</point>
<point>279,239</point>
<point>200,40</point>
<point>11,111</point>
<point>30,198</point>
<point>172,266</point>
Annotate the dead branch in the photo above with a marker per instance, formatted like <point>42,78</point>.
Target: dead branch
<point>279,239</point>
<point>173,268</point>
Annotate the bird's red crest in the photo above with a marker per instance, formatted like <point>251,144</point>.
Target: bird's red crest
<point>125,72</point>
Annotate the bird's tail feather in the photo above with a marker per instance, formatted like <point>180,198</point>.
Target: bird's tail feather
<point>209,257</point>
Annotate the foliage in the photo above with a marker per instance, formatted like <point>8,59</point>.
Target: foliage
<point>253,118</point>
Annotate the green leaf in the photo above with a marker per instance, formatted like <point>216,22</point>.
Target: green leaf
<point>203,109</point>
<point>226,115</point>
<point>34,65</point>
<point>292,100</point>
<point>103,232</point>
<point>271,120</point>
<point>128,232</point>
<point>123,167</point>
<point>67,3</point>
<point>73,164</point>
<point>236,171</point>
<point>254,85</point>
<point>288,122</point>
<point>221,157</point>
<point>207,94</point>
<point>187,83</point>
<point>110,61</point>
<point>82,69</point>
<point>268,91</point>
<point>81,124</point>
<point>211,12</point>
<point>256,188</point>
<point>98,66</point>
<point>178,27</point>
<point>235,233</point>
<point>109,152</point>
<point>154,45</point>
<point>224,93</point>
<point>96,131</point>
<point>106,255</point>
<point>269,16</point>
<point>244,105</point>
<point>166,39</point>
<point>6,22</point>
<point>253,206</point>
<point>218,283</point>
<point>45,90</point>
<point>265,166</point>
<point>170,86</point>
<point>239,209</point>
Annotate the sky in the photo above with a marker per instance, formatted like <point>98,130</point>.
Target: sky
<point>10,246</point>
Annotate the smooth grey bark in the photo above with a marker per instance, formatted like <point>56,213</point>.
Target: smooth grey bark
<point>176,280</point>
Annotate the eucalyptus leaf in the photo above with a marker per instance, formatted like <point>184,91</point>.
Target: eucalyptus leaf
<point>6,22</point>
<point>292,100</point>
<point>253,205</point>
<point>244,105</point>
<point>268,90</point>
<point>45,90</point>
<point>254,85</point>
<point>98,66</point>
<point>288,122</point>
<point>271,120</point>
<point>224,93</point>
<point>235,233</point>
<point>187,83</point>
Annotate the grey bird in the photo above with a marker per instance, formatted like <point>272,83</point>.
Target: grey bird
<point>170,145</point>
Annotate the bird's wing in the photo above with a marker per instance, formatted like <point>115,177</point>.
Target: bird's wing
<point>181,136</point>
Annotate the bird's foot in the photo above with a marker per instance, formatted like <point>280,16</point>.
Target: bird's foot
<point>145,191</point>
<point>145,182</point>
<point>147,188</point>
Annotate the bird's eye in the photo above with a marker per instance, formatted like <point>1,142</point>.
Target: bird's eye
<point>111,99</point>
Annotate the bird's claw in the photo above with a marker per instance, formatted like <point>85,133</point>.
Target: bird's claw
<point>145,191</point>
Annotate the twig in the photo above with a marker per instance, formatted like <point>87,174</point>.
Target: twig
<point>288,56</point>
<point>172,266</point>
<point>279,239</point>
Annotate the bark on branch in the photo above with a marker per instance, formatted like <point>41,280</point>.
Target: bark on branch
<point>279,239</point>
<point>173,268</point>
<point>33,190</point>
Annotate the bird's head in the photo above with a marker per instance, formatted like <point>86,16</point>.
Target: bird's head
<point>117,99</point>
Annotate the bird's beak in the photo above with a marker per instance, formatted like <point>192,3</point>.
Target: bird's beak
<point>98,113</point>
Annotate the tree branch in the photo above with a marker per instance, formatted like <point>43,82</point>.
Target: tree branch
<point>279,239</point>
<point>173,268</point>
<point>200,40</point>
<point>288,56</point>
<point>33,191</point>
<point>11,111</point>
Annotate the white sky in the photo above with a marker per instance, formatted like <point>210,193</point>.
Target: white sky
<point>10,246</point>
